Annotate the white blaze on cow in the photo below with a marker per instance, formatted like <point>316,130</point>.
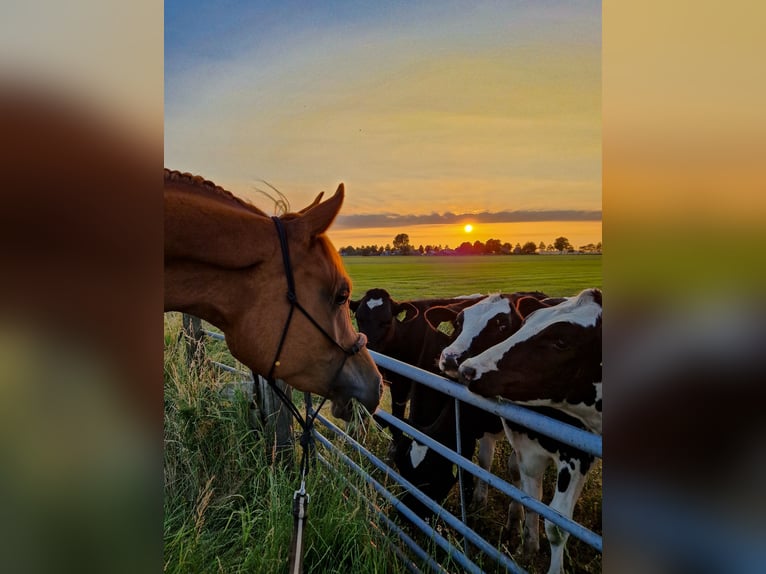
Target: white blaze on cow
<point>475,319</point>
<point>417,453</point>
<point>372,303</point>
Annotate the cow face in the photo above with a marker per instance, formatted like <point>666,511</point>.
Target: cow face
<point>490,317</point>
<point>376,315</point>
<point>486,324</point>
<point>555,357</point>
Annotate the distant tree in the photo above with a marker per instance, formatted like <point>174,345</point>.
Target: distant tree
<point>388,247</point>
<point>562,244</point>
<point>493,246</point>
<point>598,246</point>
<point>541,247</point>
<point>421,249</point>
<point>506,248</point>
<point>517,249</point>
<point>478,247</point>
<point>464,248</point>
<point>529,248</point>
<point>402,243</point>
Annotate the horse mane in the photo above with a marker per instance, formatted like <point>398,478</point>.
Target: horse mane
<point>200,184</point>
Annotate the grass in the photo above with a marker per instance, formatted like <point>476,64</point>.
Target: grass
<point>228,505</point>
<point>423,277</point>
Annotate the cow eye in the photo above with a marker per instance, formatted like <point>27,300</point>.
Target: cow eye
<point>342,297</point>
<point>560,344</point>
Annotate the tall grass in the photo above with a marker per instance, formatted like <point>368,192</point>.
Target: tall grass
<point>228,505</point>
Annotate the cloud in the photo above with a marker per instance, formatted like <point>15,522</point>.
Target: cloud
<point>361,221</point>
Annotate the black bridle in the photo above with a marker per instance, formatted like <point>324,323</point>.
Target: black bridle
<point>292,298</point>
<point>301,497</point>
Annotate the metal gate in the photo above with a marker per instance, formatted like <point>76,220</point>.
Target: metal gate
<point>562,432</point>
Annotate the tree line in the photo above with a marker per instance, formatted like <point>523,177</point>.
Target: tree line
<point>401,246</point>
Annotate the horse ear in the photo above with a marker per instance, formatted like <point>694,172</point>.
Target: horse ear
<point>313,203</point>
<point>317,217</point>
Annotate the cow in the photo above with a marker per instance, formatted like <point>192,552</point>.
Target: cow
<point>429,471</point>
<point>432,473</point>
<point>399,330</point>
<point>552,362</point>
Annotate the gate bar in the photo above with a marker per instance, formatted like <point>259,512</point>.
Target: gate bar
<point>451,520</point>
<point>562,432</point>
<point>575,529</point>
<point>408,541</point>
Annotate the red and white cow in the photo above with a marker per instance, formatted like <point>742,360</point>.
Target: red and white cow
<point>552,362</point>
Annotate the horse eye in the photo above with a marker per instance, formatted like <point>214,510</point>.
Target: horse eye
<point>342,297</point>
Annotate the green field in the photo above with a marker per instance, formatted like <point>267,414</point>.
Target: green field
<point>423,277</point>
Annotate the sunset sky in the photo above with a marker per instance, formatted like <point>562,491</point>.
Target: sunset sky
<point>433,114</point>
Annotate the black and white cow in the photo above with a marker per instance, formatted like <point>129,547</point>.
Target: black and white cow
<point>553,362</point>
<point>431,472</point>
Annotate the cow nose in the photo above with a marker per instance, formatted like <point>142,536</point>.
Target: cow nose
<point>467,373</point>
<point>450,362</point>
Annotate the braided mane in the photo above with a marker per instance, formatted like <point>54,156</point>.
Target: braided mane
<point>201,184</point>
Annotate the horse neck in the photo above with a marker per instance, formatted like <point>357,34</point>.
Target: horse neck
<point>212,244</point>
<point>214,230</point>
<point>204,291</point>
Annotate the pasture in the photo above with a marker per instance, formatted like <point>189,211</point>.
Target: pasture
<point>227,506</point>
<point>423,277</point>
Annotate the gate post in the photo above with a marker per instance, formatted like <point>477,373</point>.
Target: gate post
<point>191,331</point>
<point>276,420</point>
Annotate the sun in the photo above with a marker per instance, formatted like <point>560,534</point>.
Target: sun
<point>468,228</point>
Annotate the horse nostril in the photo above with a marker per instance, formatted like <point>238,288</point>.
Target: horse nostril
<point>467,373</point>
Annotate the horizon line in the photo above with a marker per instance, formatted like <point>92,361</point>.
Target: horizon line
<point>372,220</point>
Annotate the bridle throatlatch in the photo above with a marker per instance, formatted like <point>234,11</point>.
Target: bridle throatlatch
<point>301,497</point>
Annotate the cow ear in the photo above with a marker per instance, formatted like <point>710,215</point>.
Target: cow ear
<point>354,305</point>
<point>405,312</point>
<point>526,305</point>
<point>436,316</point>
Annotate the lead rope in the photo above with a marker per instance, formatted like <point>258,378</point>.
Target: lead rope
<point>300,497</point>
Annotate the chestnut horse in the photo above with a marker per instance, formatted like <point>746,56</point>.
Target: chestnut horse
<point>225,264</point>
